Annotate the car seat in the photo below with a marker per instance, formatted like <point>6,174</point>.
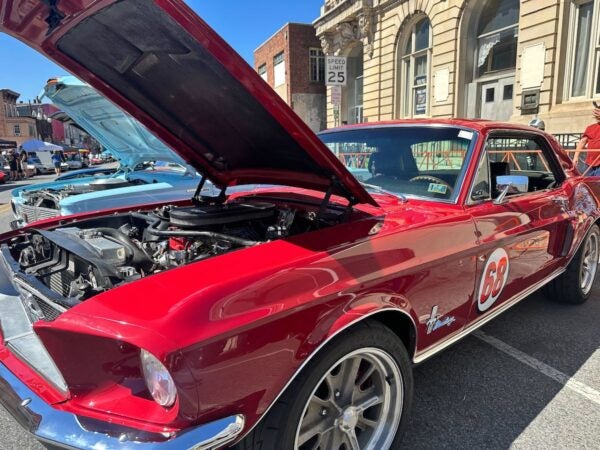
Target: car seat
<point>395,163</point>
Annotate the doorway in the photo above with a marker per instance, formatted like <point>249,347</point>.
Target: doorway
<point>496,99</point>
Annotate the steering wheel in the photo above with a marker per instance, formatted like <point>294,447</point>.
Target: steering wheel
<point>434,180</point>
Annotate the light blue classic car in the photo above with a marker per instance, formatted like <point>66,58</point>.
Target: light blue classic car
<point>166,179</point>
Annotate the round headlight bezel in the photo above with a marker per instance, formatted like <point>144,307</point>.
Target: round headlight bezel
<point>158,380</point>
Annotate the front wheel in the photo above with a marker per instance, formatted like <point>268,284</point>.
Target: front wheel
<point>575,284</point>
<point>354,395</point>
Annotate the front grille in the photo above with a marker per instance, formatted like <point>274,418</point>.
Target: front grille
<point>61,282</point>
<point>48,309</point>
<point>30,213</point>
<point>19,309</point>
<point>37,306</point>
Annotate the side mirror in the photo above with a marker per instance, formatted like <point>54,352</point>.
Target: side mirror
<point>519,184</point>
<point>511,184</point>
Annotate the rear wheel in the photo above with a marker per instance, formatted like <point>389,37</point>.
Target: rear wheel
<point>355,395</point>
<point>575,285</point>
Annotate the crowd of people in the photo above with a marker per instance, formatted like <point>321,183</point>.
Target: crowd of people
<point>17,163</point>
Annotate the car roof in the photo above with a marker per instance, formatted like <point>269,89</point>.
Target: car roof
<point>473,124</point>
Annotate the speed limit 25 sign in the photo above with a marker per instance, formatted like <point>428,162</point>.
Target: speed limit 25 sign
<point>336,70</point>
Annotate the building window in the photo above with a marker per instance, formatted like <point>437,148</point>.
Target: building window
<point>497,36</point>
<point>317,65</point>
<point>416,61</point>
<point>358,100</point>
<point>279,69</point>
<point>262,71</point>
<point>584,45</point>
<point>17,129</point>
<point>31,130</point>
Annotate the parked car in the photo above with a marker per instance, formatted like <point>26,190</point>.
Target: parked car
<point>284,318</point>
<point>3,177</point>
<point>136,181</point>
<point>73,160</point>
<point>96,160</point>
<point>40,163</point>
<point>4,167</point>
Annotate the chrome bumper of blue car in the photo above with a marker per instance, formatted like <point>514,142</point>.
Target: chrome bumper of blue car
<point>65,430</point>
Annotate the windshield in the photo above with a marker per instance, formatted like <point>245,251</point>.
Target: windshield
<point>409,161</point>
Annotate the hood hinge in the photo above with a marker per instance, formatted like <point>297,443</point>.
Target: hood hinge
<point>198,198</point>
<point>326,200</point>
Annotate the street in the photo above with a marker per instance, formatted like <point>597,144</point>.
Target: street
<point>529,379</point>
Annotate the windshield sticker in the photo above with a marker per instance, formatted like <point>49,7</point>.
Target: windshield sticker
<point>464,134</point>
<point>493,280</point>
<point>435,188</point>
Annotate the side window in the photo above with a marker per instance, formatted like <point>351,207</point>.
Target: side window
<point>481,186</point>
<point>521,160</point>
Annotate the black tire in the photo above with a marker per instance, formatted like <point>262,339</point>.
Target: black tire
<point>570,286</point>
<point>278,430</point>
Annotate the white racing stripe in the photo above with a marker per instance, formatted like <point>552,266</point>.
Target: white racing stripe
<point>562,378</point>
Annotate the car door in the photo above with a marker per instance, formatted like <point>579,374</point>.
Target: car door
<point>518,202</point>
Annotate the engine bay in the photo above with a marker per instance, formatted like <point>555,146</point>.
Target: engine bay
<point>70,264</point>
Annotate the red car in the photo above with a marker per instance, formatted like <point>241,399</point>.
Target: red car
<point>285,317</point>
<point>3,176</point>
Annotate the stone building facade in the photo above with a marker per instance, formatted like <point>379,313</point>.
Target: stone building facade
<point>292,62</point>
<point>509,60</point>
<point>14,127</point>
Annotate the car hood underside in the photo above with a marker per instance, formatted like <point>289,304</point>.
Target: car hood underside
<point>162,64</point>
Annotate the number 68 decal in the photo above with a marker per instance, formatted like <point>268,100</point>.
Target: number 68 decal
<point>493,279</point>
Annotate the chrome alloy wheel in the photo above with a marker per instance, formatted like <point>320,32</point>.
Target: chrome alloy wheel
<point>356,405</point>
<point>589,263</point>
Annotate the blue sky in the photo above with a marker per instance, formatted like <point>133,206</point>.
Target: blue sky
<point>244,25</point>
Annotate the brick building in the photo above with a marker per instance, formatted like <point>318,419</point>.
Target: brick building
<point>498,59</point>
<point>40,113</point>
<point>292,62</point>
<point>14,127</point>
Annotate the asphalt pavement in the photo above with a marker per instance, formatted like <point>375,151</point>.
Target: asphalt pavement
<point>530,379</point>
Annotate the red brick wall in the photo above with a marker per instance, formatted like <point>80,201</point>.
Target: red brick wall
<point>302,38</point>
<point>266,53</point>
<point>296,40</point>
<point>307,98</point>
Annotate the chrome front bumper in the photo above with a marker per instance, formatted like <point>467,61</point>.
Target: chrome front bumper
<point>65,430</point>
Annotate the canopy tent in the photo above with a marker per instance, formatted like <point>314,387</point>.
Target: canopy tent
<point>7,144</point>
<point>35,145</point>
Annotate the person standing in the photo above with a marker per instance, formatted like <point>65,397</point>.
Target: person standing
<point>56,160</point>
<point>591,141</point>
<point>23,158</point>
<point>12,164</point>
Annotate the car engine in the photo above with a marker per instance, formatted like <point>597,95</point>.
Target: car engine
<point>64,266</point>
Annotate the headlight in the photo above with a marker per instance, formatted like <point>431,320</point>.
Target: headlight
<point>158,379</point>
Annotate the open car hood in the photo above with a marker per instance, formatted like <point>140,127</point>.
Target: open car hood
<point>127,139</point>
<point>162,64</point>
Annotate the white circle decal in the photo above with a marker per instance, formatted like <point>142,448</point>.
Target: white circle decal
<point>493,279</point>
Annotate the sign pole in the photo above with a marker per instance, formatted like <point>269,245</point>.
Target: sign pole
<point>336,75</point>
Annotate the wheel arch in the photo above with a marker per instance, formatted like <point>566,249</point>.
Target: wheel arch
<point>399,321</point>
<point>401,325</point>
